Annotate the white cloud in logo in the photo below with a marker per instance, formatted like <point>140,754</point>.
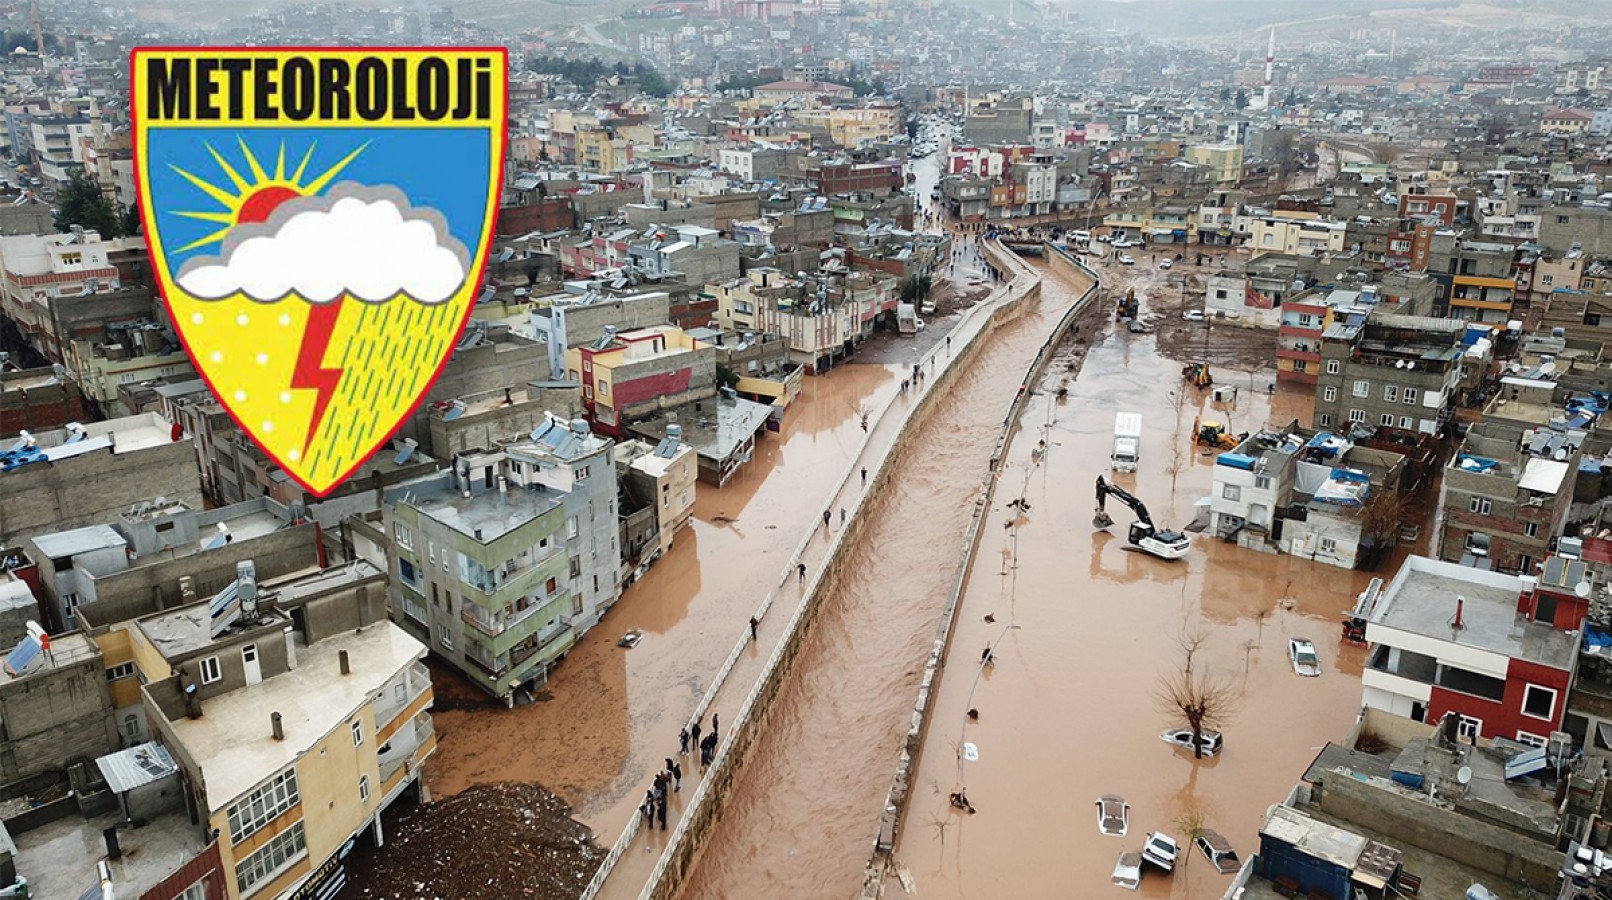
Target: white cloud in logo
<point>363,242</point>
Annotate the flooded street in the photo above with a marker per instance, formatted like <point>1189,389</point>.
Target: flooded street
<point>802,815</point>
<point>609,714</point>
<point>1087,628</point>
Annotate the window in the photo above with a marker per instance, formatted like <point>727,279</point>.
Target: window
<point>358,733</point>
<point>1333,366</point>
<point>1306,320</point>
<point>263,805</point>
<point>1410,396</point>
<point>1357,415</point>
<point>405,537</point>
<point>1231,492</point>
<point>1362,388</point>
<point>1562,220</point>
<point>1301,365</point>
<point>197,891</point>
<point>131,727</point>
<point>576,604</point>
<point>406,569</point>
<point>1539,702</point>
<point>1531,739</point>
<point>571,527</point>
<point>1391,393</point>
<point>1593,319</point>
<point>1262,482</point>
<point>551,585</point>
<point>576,567</point>
<point>1530,529</point>
<point>121,670</point>
<point>1546,279</point>
<point>210,671</point>
<point>1480,505</point>
<point>604,388</point>
<point>1329,545</point>
<point>1329,395</point>
<point>363,788</point>
<point>1470,727</point>
<point>581,474</point>
<point>1387,420</point>
<point>1325,420</point>
<point>270,858</point>
<point>445,639</point>
<point>1407,423</point>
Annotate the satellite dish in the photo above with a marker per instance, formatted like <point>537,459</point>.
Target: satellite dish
<point>1464,775</point>
<point>1582,589</point>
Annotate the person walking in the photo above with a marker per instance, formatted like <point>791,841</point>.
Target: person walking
<point>827,518</point>
<point>842,517</point>
<point>716,729</point>
<point>668,769</point>
<point>799,567</point>
<point>662,814</point>
<point>647,808</point>
<point>865,468</point>
<point>677,776</point>
<point>694,733</point>
<point>682,742</point>
<point>753,623</point>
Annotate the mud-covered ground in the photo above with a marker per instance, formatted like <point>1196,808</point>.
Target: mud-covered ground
<point>529,847</point>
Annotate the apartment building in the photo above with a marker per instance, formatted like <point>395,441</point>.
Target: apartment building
<point>502,563</point>
<point>1303,320</point>
<point>663,475</point>
<point>36,268</point>
<point>634,374</point>
<point>1504,499</point>
<point>1479,278</point>
<point>1389,371</point>
<point>823,318</point>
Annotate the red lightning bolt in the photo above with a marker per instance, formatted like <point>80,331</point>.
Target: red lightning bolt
<point>311,373</point>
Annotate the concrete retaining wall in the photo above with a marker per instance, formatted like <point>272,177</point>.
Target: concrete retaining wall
<point>705,806</point>
<point>896,800</point>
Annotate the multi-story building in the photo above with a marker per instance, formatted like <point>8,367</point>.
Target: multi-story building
<point>1480,279</point>
<point>1304,319</point>
<point>1291,231</point>
<point>1389,371</point>
<point>1224,162</point>
<point>1505,500</point>
<point>34,269</point>
<point>56,706</point>
<point>664,474</point>
<point>822,318</point>
<point>1498,650</point>
<point>634,374</point>
<point>503,562</point>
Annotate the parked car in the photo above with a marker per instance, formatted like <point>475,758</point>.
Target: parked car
<point>1218,851</point>
<point>1167,263</point>
<point>1113,815</point>
<point>1106,239</point>
<point>1125,259</point>
<point>1182,737</point>
<point>1160,849</point>
<point>1128,870</point>
<point>1302,653</point>
<point>1193,315</point>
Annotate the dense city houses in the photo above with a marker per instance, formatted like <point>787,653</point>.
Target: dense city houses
<point>217,685</point>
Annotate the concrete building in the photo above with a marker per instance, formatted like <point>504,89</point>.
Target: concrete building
<point>36,268</point>
<point>635,374</point>
<point>1304,319</point>
<point>1389,371</point>
<point>1290,231</point>
<point>664,474</point>
<point>89,474</point>
<point>568,320</point>
<point>1492,648</point>
<point>295,713</point>
<point>1224,162</point>
<point>39,399</point>
<point>823,318</point>
<point>502,563</point>
<point>723,433</point>
<point>56,708</point>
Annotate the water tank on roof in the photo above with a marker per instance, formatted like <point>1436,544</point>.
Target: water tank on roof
<point>674,432</point>
<point>579,426</point>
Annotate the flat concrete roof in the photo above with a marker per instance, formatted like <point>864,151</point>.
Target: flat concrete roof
<point>187,628</point>
<point>232,740</point>
<point>78,540</point>
<point>715,433</point>
<point>491,513</point>
<point>59,859</point>
<point>309,583</point>
<point>65,650</point>
<point>1422,599</point>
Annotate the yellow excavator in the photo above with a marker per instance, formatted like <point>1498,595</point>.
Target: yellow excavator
<point>1214,435</point>
<point>1197,374</point>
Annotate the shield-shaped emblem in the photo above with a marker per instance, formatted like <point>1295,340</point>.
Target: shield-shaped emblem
<point>318,221</point>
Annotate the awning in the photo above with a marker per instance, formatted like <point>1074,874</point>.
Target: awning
<point>140,765</point>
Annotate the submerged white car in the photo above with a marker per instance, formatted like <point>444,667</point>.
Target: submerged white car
<point>1160,850</point>
<point>1182,737</point>
<point>1113,815</point>
<point>1302,653</point>
<point>1128,870</point>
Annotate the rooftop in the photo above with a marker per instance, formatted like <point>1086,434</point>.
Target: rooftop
<point>59,859</point>
<point>485,516</point>
<point>67,649</point>
<point>189,628</point>
<point>1422,598</point>
<point>232,740</point>
<point>63,544</point>
<point>1318,839</point>
<point>714,436</point>
<point>299,586</point>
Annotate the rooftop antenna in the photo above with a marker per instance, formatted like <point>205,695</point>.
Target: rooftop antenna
<point>39,29</point>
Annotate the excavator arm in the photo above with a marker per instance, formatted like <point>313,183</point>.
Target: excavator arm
<point>1104,491</point>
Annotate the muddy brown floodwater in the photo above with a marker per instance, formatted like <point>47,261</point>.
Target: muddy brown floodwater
<point>803,811</point>
<point>1086,630</point>
<point>609,715</point>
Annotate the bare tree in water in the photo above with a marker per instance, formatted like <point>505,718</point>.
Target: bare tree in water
<point>1206,701</point>
<point>1190,823</point>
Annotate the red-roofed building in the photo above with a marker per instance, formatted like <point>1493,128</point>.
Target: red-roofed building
<point>806,92</point>
<point>1565,121</point>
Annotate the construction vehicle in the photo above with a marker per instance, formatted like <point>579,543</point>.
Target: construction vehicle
<point>1163,543</point>
<point>1128,308</point>
<point>1214,435</point>
<point>1197,374</point>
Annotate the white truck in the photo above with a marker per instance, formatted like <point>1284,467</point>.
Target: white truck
<point>1127,442</point>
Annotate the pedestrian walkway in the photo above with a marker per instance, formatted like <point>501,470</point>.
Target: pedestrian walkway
<point>638,852</point>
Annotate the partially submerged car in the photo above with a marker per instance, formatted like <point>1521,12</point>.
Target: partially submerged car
<point>1113,815</point>
<point>1128,870</point>
<point>1302,653</point>
<point>1193,315</point>
<point>1160,850</point>
<point>1182,737</point>
<point>1125,259</point>
<point>1218,851</point>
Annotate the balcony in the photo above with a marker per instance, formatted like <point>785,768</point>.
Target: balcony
<point>406,751</point>
<point>508,584</point>
<point>415,682</point>
<point>1296,353</point>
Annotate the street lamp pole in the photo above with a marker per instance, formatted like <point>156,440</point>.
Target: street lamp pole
<point>1092,207</point>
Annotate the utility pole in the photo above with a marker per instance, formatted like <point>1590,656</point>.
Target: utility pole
<point>39,30</point>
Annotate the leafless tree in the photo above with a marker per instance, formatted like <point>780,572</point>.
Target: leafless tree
<point>1190,639</point>
<point>1190,823</point>
<point>1382,515</point>
<point>1385,153</point>
<point>1207,702</point>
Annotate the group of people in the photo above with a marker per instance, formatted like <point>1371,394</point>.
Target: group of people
<point>669,780</point>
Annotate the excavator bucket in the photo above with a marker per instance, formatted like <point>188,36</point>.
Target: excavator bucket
<point>1101,520</point>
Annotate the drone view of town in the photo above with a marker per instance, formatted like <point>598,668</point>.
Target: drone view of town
<point>899,421</point>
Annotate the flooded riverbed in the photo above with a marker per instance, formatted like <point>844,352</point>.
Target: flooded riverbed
<point>803,812</point>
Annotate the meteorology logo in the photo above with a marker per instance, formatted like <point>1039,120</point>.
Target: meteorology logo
<point>318,223</point>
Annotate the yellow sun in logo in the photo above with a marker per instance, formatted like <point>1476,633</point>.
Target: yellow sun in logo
<point>255,200</point>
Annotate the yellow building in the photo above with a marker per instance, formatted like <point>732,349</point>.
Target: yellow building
<point>634,374</point>
<point>295,711</point>
<point>875,122</point>
<point>1225,161</point>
